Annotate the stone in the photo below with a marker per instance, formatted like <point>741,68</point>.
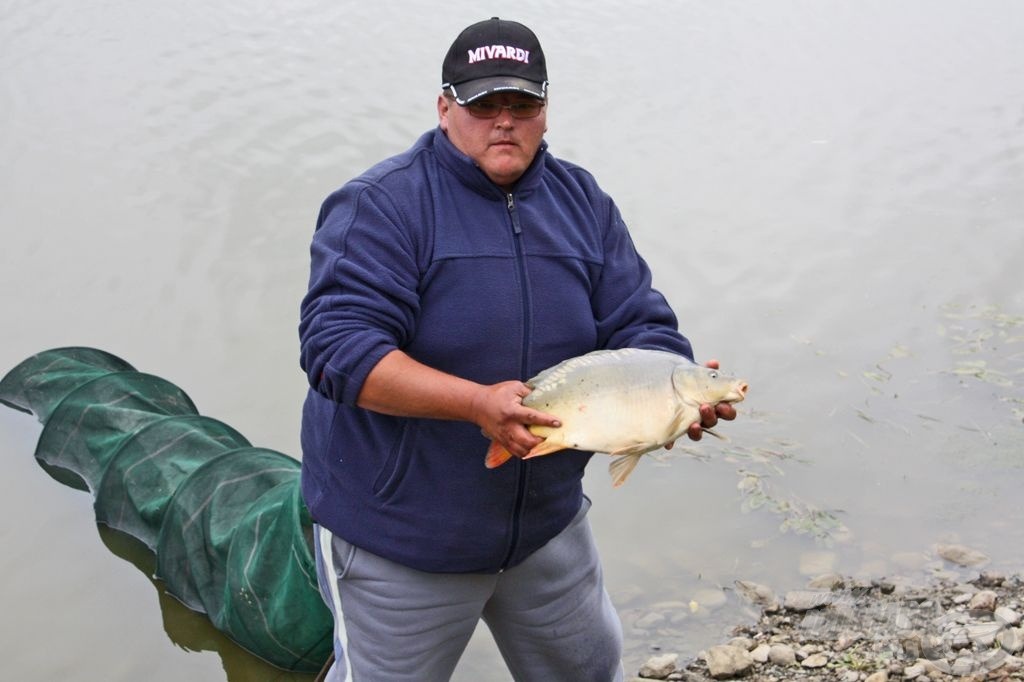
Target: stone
<point>659,667</point>
<point>744,643</point>
<point>814,622</point>
<point>760,653</point>
<point>990,579</point>
<point>758,595</point>
<point>963,666</point>
<point>805,600</point>
<point>961,555</point>
<point>847,639</point>
<point>649,621</point>
<point>826,581</point>
<point>1011,640</point>
<point>911,561</point>
<point>958,638</point>
<point>880,676</point>
<point>990,660</point>
<point>781,654</point>
<point>933,647</point>
<point>983,634</point>
<point>1007,615</point>
<point>710,599</point>
<point>912,672</point>
<point>884,586</point>
<point>1012,664</point>
<point>939,666</point>
<point>983,602</point>
<point>726,661</point>
<point>911,643</point>
<point>815,661</point>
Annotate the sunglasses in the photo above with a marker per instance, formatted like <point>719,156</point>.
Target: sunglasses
<point>485,109</point>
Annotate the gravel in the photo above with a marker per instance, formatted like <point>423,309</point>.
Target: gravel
<point>842,629</point>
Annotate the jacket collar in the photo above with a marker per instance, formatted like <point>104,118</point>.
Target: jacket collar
<point>473,177</point>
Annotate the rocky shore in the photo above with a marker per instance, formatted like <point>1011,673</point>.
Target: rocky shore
<point>839,628</point>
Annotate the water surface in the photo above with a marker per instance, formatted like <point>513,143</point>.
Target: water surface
<point>827,193</point>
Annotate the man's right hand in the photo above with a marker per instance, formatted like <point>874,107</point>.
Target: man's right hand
<point>401,386</point>
<point>499,411</point>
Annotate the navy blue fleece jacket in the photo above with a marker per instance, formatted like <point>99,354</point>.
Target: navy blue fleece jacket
<point>425,254</point>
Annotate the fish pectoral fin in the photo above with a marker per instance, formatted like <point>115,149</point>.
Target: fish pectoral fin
<point>496,455</point>
<point>716,434</point>
<point>545,448</point>
<point>626,460</point>
<point>622,467</point>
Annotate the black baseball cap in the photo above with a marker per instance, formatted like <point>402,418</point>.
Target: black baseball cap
<point>494,55</point>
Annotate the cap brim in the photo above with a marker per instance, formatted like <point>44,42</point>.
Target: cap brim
<point>475,89</point>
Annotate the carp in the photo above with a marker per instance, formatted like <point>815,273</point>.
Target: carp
<point>624,402</point>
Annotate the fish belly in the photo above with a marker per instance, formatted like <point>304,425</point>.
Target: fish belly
<point>611,421</point>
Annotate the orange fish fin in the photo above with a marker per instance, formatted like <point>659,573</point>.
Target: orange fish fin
<point>496,455</point>
<point>622,467</point>
<point>545,448</point>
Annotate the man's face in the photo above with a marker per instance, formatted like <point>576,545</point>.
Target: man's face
<point>504,146</point>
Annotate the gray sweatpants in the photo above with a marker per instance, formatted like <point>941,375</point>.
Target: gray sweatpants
<point>550,615</point>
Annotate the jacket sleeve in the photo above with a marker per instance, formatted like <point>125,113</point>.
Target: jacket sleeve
<point>629,312</point>
<point>362,300</point>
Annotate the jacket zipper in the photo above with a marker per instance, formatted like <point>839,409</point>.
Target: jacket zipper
<point>524,467</point>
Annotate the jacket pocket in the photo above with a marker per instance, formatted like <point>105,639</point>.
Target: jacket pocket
<point>397,463</point>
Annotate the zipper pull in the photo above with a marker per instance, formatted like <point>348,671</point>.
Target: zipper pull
<point>514,214</point>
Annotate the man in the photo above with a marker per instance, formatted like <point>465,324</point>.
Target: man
<point>441,278</point>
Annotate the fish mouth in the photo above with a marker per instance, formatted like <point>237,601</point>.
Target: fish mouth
<point>741,390</point>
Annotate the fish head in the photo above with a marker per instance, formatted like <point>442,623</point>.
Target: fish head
<point>698,385</point>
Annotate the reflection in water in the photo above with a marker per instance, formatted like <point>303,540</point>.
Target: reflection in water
<point>188,629</point>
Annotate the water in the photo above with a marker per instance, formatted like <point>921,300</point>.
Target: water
<point>827,193</point>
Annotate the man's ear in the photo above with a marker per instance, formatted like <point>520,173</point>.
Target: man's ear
<point>442,112</point>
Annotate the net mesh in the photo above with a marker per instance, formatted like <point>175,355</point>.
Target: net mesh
<point>151,464</point>
<point>231,534</point>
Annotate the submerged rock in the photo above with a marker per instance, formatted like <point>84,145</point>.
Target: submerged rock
<point>961,556</point>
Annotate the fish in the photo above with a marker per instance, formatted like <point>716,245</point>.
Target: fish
<point>625,403</point>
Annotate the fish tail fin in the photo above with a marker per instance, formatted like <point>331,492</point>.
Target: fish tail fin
<point>544,448</point>
<point>622,467</point>
<point>496,455</point>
